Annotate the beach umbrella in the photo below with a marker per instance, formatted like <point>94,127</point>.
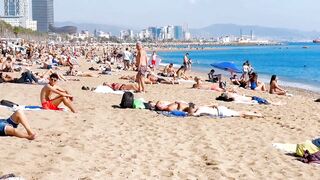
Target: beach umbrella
<point>227,66</point>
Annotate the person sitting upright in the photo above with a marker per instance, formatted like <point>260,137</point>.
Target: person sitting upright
<point>255,84</point>
<point>169,71</point>
<point>7,66</point>
<point>63,95</point>
<point>214,77</point>
<point>275,88</point>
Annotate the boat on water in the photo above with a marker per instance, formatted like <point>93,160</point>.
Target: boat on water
<point>316,41</point>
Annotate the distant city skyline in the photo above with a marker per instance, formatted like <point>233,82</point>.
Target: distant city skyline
<point>293,14</point>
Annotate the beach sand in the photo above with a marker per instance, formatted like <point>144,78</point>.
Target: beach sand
<point>102,142</point>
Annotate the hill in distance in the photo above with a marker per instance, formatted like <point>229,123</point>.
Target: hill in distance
<point>279,34</point>
<point>215,30</point>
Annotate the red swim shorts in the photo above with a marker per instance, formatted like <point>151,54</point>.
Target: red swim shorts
<point>49,105</point>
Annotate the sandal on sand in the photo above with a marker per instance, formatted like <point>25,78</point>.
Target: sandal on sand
<point>85,88</point>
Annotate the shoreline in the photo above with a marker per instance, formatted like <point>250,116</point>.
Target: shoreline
<point>265,80</point>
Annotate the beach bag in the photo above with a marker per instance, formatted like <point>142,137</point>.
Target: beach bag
<point>138,104</point>
<point>8,103</point>
<point>307,146</point>
<point>127,100</point>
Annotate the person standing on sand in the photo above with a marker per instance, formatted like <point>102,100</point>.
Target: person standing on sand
<point>127,56</point>
<point>153,60</point>
<point>63,95</point>
<point>141,64</point>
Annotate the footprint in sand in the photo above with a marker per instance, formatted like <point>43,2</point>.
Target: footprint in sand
<point>68,159</point>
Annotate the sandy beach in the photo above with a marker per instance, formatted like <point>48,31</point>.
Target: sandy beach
<point>102,142</point>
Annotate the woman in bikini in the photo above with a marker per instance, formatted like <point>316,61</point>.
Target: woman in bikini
<point>255,84</point>
<point>121,87</point>
<point>275,88</point>
<point>171,106</point>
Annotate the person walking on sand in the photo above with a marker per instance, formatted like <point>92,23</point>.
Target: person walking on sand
<point>127,56</point>
<point>141,64</point>
<point>153,61</point>
<point>8,126</point>
<point>63,95</point>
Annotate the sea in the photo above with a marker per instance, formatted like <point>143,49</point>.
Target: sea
<point>295,64</point>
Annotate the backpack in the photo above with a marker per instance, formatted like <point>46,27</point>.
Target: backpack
<point>127,100</point>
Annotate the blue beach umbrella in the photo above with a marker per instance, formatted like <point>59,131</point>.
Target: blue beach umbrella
<point>227,66</point>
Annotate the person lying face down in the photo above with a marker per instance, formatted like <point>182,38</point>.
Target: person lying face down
<point>229,97</point>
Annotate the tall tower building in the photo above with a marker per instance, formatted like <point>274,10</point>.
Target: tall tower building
<point>43,13</point>
<point>13,8</point>
<point>16,13</point>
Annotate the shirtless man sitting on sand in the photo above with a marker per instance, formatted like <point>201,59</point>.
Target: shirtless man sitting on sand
<point>8,126</point>
<point>63,95</point>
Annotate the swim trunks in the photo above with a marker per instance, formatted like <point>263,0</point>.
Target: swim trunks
<point>48,105</point>
<point>153,62</point>
<point>142,70</point>
<point>4,123</point>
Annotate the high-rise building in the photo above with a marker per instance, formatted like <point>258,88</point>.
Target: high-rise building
<point>16,13</point>
<point>42,12</point>
<point>13,8</point>
<point>178,33</point>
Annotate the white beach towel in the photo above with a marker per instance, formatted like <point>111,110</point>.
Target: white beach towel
<point>107,90</point>
<point>288,148</point>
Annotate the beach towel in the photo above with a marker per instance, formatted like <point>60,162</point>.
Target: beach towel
<point>288,148</point>
<point>316,142</point>
<point>298,149</point>
<point>173,113</point>
<point>107,90</point>
<point>28,108</point>
<point>306,146</point>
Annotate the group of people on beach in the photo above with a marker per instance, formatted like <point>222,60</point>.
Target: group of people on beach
<point>51,61</point>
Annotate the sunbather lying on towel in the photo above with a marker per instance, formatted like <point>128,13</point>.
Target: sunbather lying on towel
<point>219,111</point>
<point>228,97</point>
<point>151,79</point>
<point>211,86</point>
<point>193,110</point>
<point>74,72</point>
<point>26,77</point>
<point>8,126</point>
<point>121,87</point>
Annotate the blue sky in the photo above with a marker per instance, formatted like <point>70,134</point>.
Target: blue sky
<point>297,14</point>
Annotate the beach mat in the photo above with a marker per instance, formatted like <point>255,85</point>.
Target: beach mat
<point>107,90</point>
<point>29,108</point>
<point>177,114</point>
<point>287,148</point>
